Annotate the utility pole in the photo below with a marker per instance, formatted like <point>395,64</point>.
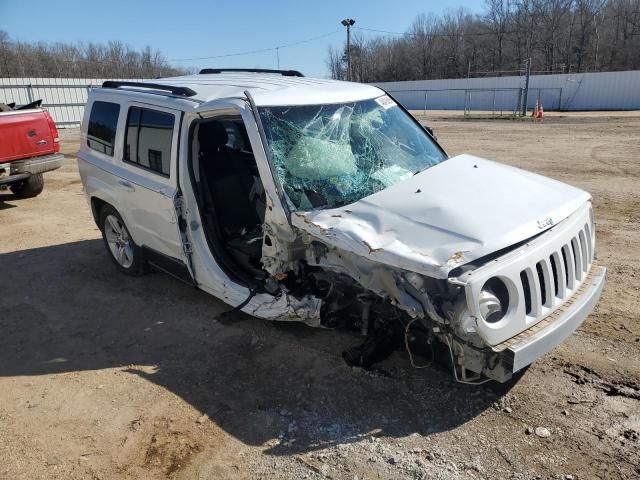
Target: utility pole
<point>526,88</point>
<point>348,22</point>
<point>278,56</point>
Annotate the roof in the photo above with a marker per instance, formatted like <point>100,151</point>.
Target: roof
<point>272,88</point>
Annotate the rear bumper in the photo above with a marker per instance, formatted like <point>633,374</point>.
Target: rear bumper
<point>35,165</point>
<point>533,343</point>
<point>11,172</point>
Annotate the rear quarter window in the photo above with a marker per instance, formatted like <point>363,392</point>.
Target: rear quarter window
<point>103,122</point>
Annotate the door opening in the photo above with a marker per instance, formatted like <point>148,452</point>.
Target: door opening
<point>230,196</point>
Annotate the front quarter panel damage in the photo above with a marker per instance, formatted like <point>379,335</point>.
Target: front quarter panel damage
<point>331,287</point>
<point>393,308</point>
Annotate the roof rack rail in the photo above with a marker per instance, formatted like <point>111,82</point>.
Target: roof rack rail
<point>284,73</point>
<point>181,91</point>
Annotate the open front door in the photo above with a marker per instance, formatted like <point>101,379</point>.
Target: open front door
<point>235,193</point>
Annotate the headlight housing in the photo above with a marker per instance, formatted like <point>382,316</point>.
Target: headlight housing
<point>493,300</point>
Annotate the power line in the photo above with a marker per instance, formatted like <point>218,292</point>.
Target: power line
<point>261,50</point>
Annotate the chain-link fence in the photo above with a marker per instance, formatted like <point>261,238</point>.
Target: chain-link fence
<point>480,102</point>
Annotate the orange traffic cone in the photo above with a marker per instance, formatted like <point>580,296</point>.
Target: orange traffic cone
<point>541,113</point>
<point>535,112</point>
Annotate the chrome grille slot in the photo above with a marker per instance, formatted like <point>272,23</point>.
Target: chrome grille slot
<point>534,289</point>
<point>526,289</point>
<point>587,232</point>
<point>541,283</point>
<point>554,270</point>
<point>546,282</point>
<point>567,255</point>
<point>577,258</point>
<point>585,252</point>
<point>561,275</point>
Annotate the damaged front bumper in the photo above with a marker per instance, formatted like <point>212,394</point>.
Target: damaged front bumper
<point>525,348</point>
<point>551,283</point>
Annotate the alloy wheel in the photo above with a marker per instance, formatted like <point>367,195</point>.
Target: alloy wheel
<point>119,241</point>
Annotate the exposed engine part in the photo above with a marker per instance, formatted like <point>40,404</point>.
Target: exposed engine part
<point>476,379</point>
<point>388,337</point>
<point>392,309</point>
<point>378,345</point>
<point>408,347</point>
<point>348,305</point>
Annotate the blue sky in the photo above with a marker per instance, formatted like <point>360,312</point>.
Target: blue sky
<point>201,28</point>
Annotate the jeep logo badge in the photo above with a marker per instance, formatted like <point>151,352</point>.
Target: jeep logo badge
<point>547,222</point>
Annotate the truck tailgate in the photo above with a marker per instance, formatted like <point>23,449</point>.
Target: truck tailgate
<point>24,134</point>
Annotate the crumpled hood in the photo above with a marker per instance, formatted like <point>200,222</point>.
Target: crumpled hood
<point>457,211</point>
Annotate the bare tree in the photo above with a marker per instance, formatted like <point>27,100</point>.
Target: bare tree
<point>19,59</point>
<point>423,32</point>
<point>498,20</point>
<point>586,12</point>
<point>558,36</point>
<point>335,64</point>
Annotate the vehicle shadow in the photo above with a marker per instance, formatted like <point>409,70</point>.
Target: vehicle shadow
<point>66,309</point>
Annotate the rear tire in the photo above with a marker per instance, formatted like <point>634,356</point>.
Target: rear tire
<point>125,254</point>
<point>29,187</point>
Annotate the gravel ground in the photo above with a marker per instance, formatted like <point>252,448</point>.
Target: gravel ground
<point>106,376</point>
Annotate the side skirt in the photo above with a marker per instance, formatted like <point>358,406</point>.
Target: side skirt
<point>170,266</point>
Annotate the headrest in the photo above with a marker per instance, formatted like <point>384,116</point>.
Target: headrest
<point>212,136</point>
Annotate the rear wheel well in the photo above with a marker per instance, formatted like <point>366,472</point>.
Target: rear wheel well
<point>96,206</point>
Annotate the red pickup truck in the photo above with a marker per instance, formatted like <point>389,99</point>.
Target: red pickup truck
<point>29,146</point>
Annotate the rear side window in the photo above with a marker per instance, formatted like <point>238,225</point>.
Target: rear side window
<point>148,139</point>
<point>103,123</point>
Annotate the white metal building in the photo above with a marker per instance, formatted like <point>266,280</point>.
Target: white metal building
<point>575,91</point>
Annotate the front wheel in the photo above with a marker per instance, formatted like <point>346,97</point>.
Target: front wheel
<point>127,256</point>
<point>29,187</point>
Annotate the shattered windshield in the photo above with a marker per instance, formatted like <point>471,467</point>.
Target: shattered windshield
<point>326,156</point>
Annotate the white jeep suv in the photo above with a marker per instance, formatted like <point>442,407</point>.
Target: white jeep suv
<point>326,202</point>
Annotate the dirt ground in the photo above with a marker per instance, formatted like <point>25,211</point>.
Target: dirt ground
<point>106,376</point>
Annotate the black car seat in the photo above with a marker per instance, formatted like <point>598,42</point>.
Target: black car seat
<point>231,190</point>
<point>226,173</point>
